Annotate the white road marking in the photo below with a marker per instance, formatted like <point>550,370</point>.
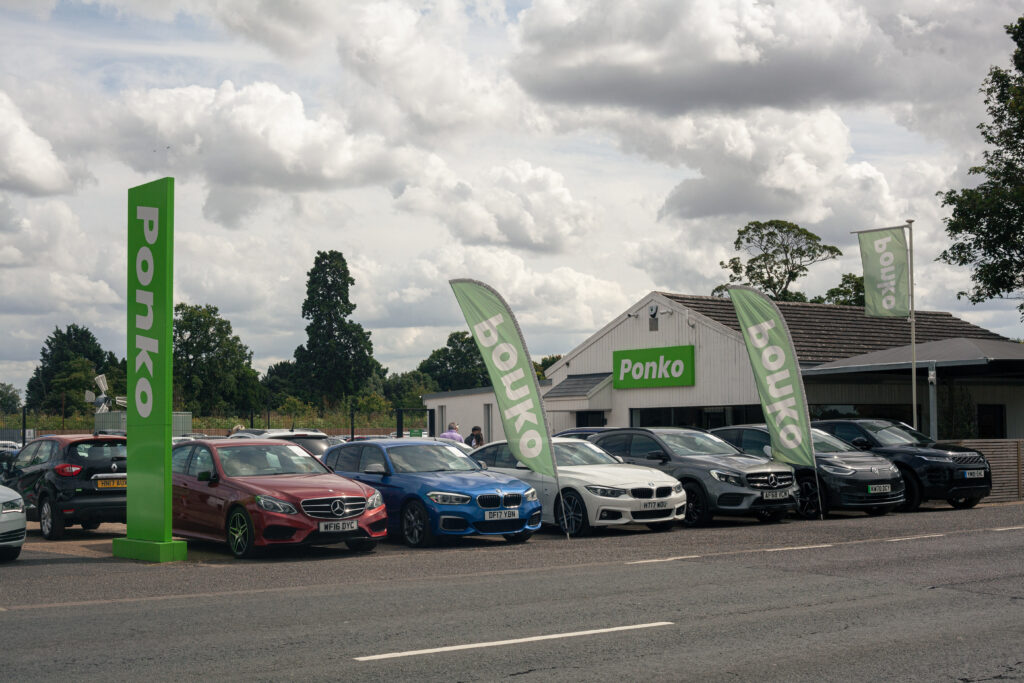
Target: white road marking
<point>1009,528</point>
<point>666,559</point>
<point>913,538</point>
<point>496,643</point>
<point>798,547</point>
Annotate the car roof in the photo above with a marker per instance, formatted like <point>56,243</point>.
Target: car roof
<point>72,438</point>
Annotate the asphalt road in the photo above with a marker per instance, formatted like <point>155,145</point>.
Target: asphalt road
<point>932,596</point>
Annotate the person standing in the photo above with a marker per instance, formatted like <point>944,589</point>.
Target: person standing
<point>452,433</point>
<point>475,438</point>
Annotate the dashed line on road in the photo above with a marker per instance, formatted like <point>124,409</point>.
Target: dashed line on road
<point>666,559</point>
<point>514,641</point>
<point>797,547</point>
<point>913,538</point>
<point>1009,528</point>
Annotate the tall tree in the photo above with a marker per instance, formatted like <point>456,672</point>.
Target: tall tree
<point>404,389</point>
<point>987,223</point>
<point>337,359</point>
<point>779,254</point>
<point>10,399</point>
<point>545,363</point>
<point>213,371</point>
<point>55,359</point>
<point>281,381</point>
<point>849,292</point>
<point>457,365</point>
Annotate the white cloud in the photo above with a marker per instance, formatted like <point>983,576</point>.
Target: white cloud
<point>28,163</point>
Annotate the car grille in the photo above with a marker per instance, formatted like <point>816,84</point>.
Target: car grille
<point>967,459</point>
<point>9,536</point>
<point>334,508</point>
<point>644,492</point>
<point>762,480</point>
<point>493,500</point>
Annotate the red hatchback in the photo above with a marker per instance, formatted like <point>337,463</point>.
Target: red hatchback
<point>259,493</point>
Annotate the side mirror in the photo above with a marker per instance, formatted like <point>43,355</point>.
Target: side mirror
<point>618,458</point>
<point>375,468</point>
<point>861,443</point>
<point>657,455</point>
<point>208,476</point>
<point>767,450</point>
<point>483,464</point>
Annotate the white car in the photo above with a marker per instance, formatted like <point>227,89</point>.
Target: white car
<point>12,524</point>
<point>597,489</point>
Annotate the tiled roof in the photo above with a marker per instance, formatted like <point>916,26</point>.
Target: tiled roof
<point>577,385</point>
<point>826,332</point>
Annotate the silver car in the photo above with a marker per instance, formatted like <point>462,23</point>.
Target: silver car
<point>719,479</point>
<point>12,524</point>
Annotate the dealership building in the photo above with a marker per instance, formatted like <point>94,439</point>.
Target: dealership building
<point>680,360</point>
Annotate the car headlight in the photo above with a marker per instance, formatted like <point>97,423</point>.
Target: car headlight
<point>444,498</point>
<point>678,488</point>
<point>937,458</point>
<point>530,495</point>
<point>734,478</point>
<point>16,505</point>
<point>893,468</point>
<point>606,491</point>
<point>374,501</point>
<point>275,505</point>
<point>837,468</point>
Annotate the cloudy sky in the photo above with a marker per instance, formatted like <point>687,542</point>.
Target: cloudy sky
<point>575,155</point>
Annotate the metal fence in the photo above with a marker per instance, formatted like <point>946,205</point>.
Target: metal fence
<point>1005,457</point>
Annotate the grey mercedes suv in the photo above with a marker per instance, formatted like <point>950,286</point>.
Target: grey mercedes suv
<point>719,479</point>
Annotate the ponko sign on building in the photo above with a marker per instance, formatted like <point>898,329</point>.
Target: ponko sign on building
<point>669,366</point>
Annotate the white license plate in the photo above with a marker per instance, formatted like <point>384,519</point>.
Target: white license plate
<point>658,505</point>
<point>346,525</point>
<point>501,514</point>
<point>974,474</point>
<point>775,495</point>
<point>879,488</point>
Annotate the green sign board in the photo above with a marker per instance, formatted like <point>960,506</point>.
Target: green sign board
<point>415,432</point>
<point>150,320</point>
<point>668,366</point>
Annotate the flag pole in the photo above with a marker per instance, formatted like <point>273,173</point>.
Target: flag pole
<point>913,328</point>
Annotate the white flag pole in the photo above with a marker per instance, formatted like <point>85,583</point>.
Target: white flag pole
<point>913,328</point>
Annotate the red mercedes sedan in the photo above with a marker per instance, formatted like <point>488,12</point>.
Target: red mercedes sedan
<point>259,493</point>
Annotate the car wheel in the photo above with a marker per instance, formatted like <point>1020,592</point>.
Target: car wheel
<point>911,491</point>
<point>879,510</point>
<point>9,554</point>
<point>770,516</point>
<point>521,537</point>
<point>662,526</point>
<point>416,531</point>
<point>963,502</point>
<point>571,514</point>
<point>808,503</point>
<point>698,511</point>
<point>241,537</point>
<point>362,545</point>
<point>51,520</point>
<point>90,526</point>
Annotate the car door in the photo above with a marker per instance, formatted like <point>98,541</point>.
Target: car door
<point>179,488</point>
<point>32,479</point>
<point>647,451</point>
<point>388,484</point>
<point>21,476</point>
<point>205,501</point>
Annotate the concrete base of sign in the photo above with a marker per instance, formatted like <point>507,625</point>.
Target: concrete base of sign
<point>150,551</point>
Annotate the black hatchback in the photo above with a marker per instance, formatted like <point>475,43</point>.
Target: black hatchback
<point>66,480</point>
<point>960,476</point>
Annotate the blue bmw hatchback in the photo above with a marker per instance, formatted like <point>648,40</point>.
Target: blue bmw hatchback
<point>431,489</point>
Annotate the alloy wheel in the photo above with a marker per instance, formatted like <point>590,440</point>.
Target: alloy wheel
<point>238,534</point>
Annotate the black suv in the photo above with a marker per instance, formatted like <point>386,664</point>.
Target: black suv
<point>719,480</point>
<point>76,479</point>
<point>959,475</point>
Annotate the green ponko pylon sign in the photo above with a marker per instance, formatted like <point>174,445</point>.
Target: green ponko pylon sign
<point>150,351</point>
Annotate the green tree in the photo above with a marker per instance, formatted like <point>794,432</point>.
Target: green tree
<point>779,254</point>
<point>10,399</point>
<point>71,382</point>
<point>337,359</point>
<point>986,223</point>
<point>457,365</point>
<point>545,363</point>
<point>55,358</point>
<point>404,389</point>
<point>281,380</point>
<point>213,371</point>
<point>295,409</point>
<point>849,292</point>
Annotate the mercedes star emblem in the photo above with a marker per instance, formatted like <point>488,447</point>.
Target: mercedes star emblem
<point>773,481</point>
<point>338,507</point>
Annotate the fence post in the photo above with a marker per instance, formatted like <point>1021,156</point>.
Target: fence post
<point>400,426</point>
<point>24,423</point>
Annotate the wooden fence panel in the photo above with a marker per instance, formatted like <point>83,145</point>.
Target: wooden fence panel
<point>1004,455</point>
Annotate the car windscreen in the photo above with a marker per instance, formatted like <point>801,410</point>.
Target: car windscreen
<point>582,453</point>
<point>889,434</point>
<point>264,460</point>
<point>430,458</point>
<point>696,443</point>
<point>97,453</point>
<point>826,443</point>
<point>314,444</point>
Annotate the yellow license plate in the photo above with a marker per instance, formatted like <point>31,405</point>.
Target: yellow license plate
<point>111,483</point>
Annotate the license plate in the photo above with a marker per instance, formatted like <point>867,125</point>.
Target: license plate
<point>655,506</point>
<point>775,495</point>
<point>111,483</point>
<point>346,525</point>
<point>879,488</point>
<point>974,474</point>
<point>501,514</point>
